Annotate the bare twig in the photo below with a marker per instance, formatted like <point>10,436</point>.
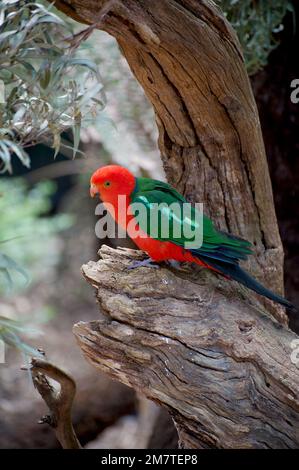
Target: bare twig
<point>59,402</point>
<point>76,39</point>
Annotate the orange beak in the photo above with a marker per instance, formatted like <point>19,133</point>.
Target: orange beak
<point>93,190</point>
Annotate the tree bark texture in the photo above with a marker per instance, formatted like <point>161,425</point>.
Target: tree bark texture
<point>188,60</point>
<point>202,347</point>
<point>177,337</point>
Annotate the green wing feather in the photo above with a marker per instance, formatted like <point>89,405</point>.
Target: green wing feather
<point>215,244</point>
<point>219,250</point>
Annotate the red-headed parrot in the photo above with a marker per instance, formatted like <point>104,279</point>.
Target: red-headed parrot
<point>218,250</point>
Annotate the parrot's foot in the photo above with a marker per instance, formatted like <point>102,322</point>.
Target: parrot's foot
<point>148,262</point>
<point>173,263</point>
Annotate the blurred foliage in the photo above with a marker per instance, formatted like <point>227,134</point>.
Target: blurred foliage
<point>27,238</point>
<point>11,332</point>
<point>45,88</point>
<point>7,265</point>
<point>256,22</point>
<point>30,234</point>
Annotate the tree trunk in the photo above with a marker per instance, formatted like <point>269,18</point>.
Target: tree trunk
<point>188,60</point>
<point>188,340</point>
<point>178,338</point>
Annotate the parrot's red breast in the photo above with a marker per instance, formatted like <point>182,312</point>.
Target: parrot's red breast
<point>113,181</point>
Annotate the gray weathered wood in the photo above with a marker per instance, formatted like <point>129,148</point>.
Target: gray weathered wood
<point>200,346</point>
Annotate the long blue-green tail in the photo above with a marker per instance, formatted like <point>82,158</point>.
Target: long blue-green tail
<point>233,271</point>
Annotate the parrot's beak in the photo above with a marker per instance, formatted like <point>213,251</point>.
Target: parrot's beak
<point>93,190</point>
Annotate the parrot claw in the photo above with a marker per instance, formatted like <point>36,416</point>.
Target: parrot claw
<point>172,263</point>
<point>148,262</point>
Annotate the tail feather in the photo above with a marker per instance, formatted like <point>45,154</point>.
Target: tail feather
<point>236,273</point>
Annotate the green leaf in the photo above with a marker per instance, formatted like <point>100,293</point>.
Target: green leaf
<point>69,147</point>
<point>5,156</point>
<point>51,19</point>
<point>7,34</point>
<point>7,263</point>
<point>84,63</point>
<point>12,339</point>
<point>7,278</point>
<point>45,77</point>
<point>76,134</point>
<point>21,154</point>
<point>56,143</point>
<point>25,71</point>
<point>91,93</point>
<point>9,239</point>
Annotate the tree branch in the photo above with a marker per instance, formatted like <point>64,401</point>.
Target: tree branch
<point>198,345</point>
<point>58,402</point>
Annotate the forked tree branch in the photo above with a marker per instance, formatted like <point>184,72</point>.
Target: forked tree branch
<point>59,402</point>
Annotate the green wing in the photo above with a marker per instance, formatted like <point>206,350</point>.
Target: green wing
<point>156,198</point>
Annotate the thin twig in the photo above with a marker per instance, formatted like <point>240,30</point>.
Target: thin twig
<point>76,39</point>
<point>59,402</point>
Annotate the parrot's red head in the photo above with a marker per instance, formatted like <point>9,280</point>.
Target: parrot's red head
<point>111,181</point>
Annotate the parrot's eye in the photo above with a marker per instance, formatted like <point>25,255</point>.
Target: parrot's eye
<point>107,184</point>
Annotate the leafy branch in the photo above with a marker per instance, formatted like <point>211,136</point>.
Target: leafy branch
<point>257,24</point>
<point>45,88</point>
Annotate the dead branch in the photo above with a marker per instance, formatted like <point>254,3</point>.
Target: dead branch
<point>59,402</point>
<point>199,346</point>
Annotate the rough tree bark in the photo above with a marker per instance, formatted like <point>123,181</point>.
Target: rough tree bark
<point>178,338</point>
<point>220,364</point>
